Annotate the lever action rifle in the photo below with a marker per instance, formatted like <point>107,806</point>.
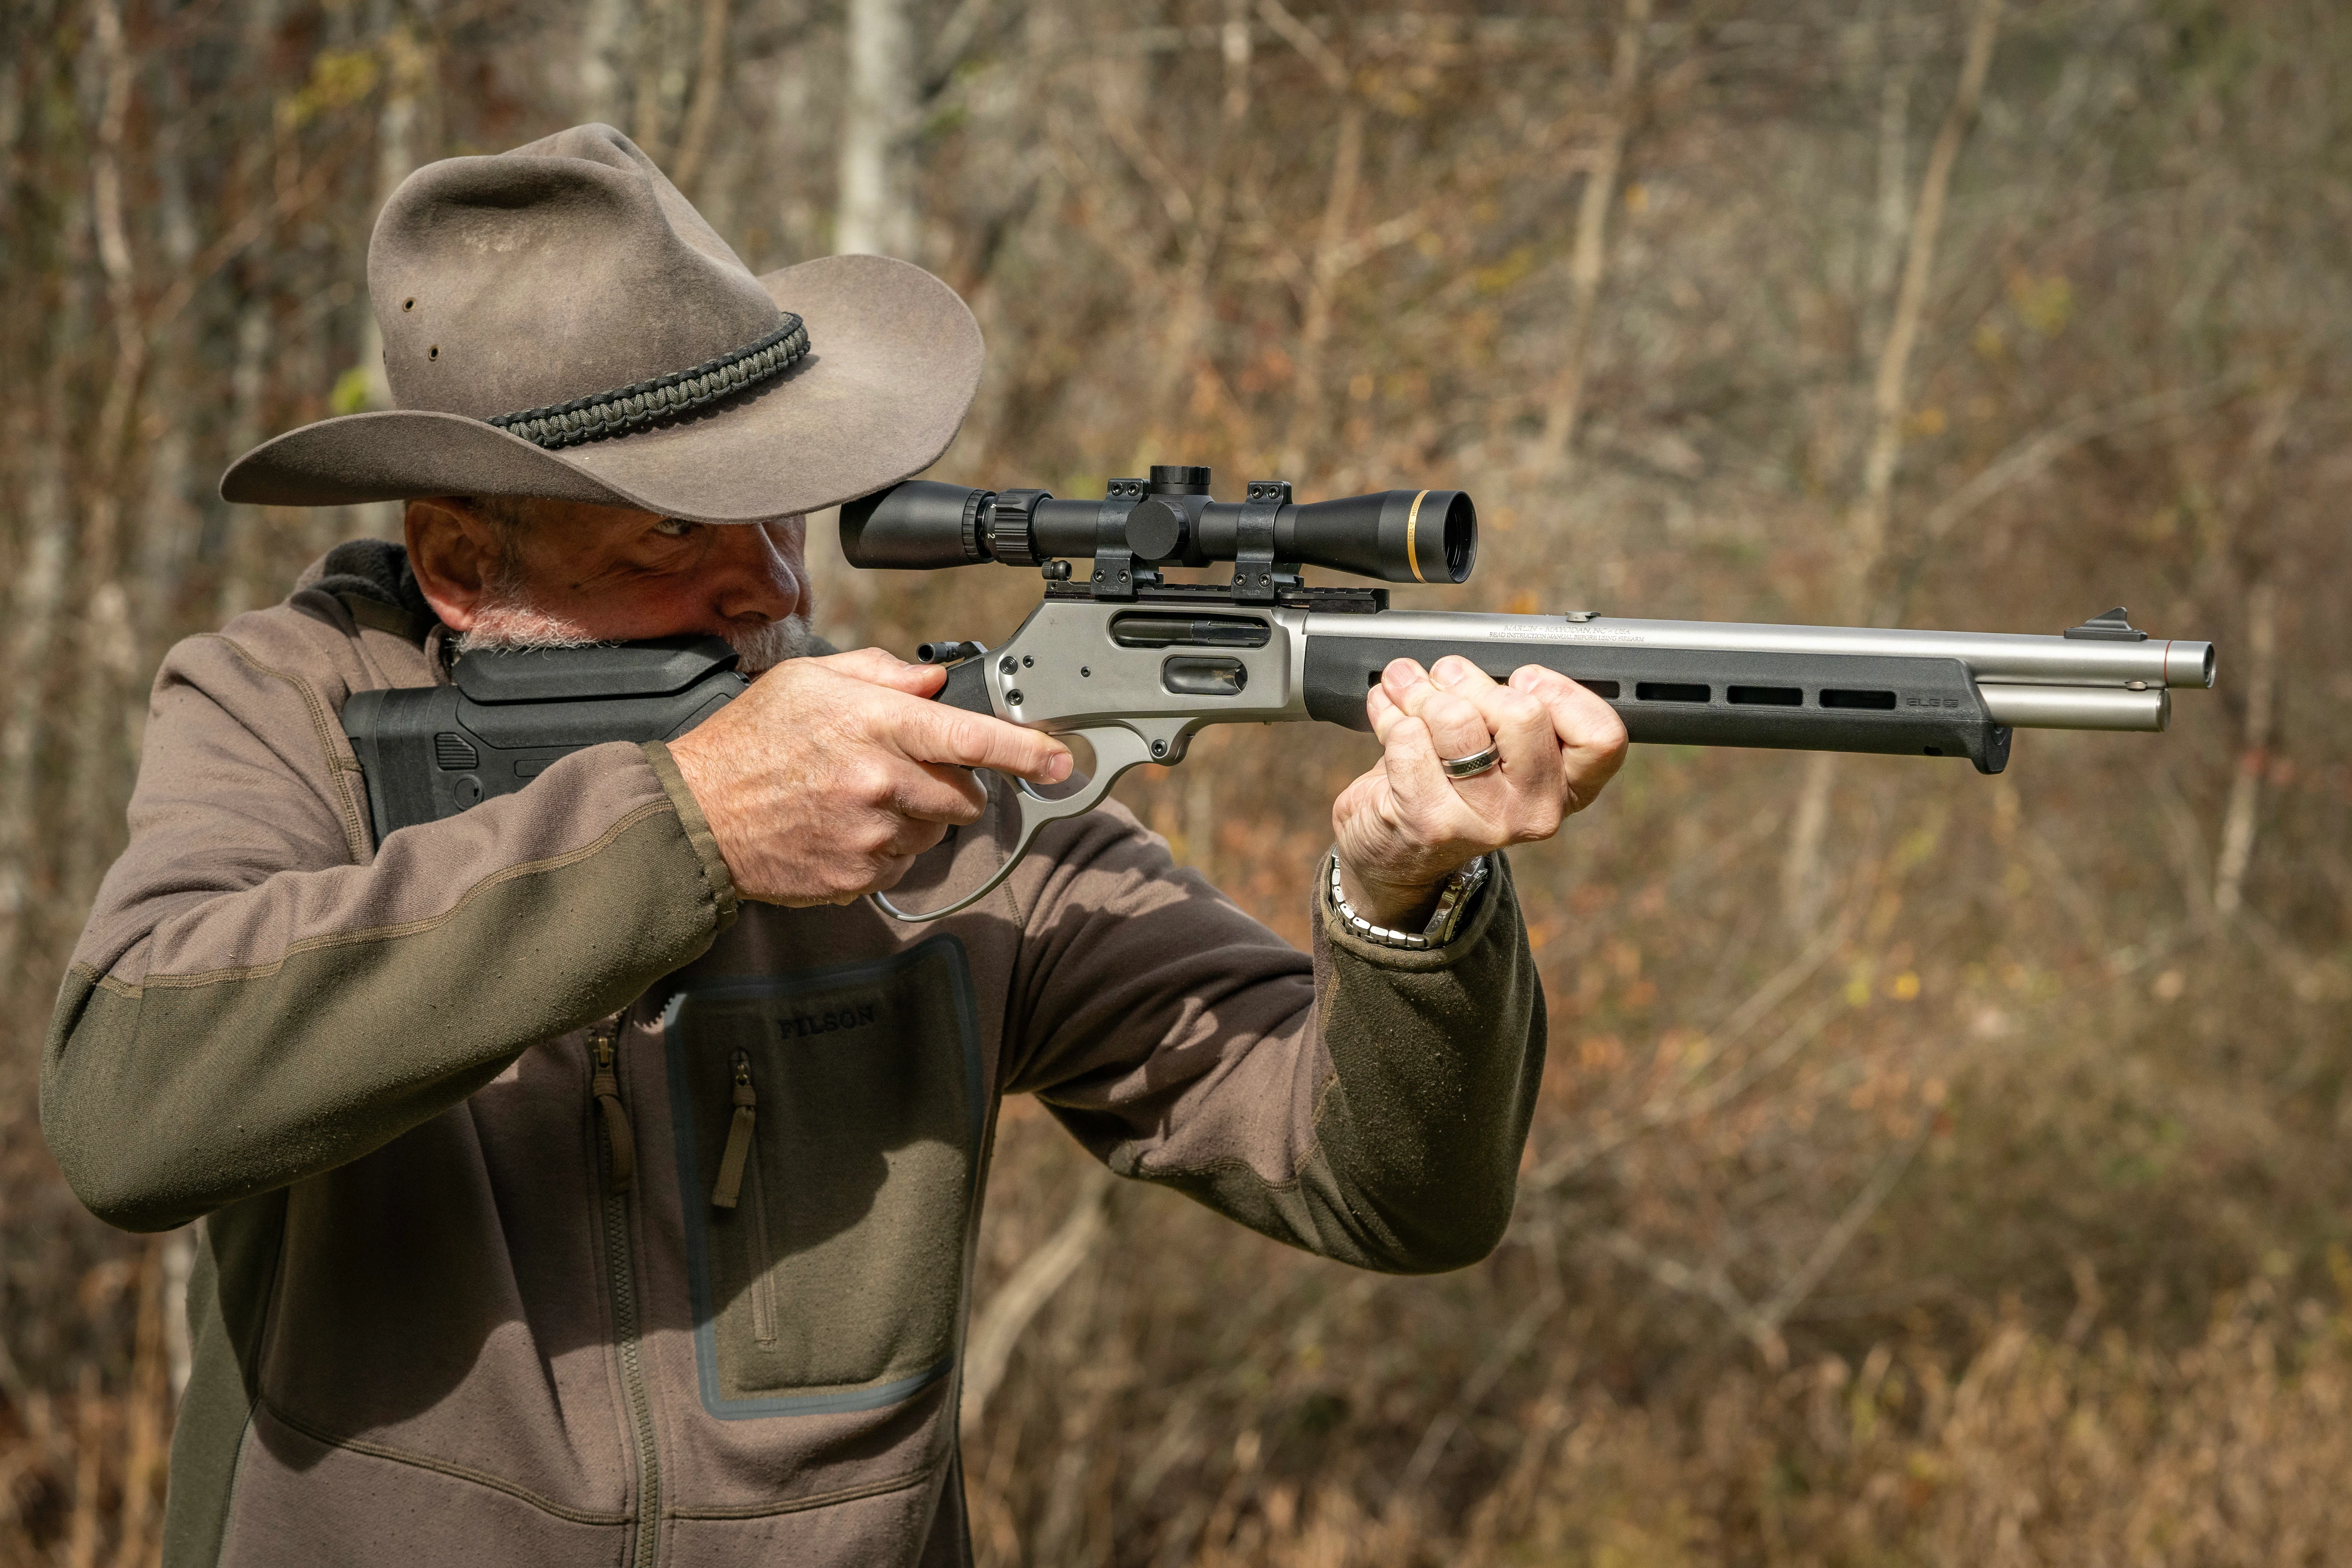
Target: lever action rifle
<point>1133,664</point>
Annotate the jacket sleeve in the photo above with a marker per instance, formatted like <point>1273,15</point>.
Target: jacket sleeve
<point>1366,1103</point>
<point>257,998</point>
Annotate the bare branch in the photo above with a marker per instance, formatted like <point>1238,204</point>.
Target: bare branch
<point>1565,399</point>
<point>1840,1235</point>
<point>1867,521</point>
<point>999,1325</point>
<point>1300,36</point>
<point>2261,684</point>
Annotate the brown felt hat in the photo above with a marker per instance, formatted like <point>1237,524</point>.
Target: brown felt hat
<point>558,320</point>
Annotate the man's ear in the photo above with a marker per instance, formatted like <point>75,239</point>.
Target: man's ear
<point>455,555</point>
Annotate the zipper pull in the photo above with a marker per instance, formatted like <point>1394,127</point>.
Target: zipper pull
<point>606,1085</point>
<point>729,1186</point>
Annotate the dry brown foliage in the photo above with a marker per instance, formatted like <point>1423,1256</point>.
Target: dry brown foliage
<point>1931,1168</point>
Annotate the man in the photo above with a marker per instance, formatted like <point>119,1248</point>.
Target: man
<point>579,1183</point>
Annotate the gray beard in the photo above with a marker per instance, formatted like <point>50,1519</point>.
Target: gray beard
<point>508,626</point>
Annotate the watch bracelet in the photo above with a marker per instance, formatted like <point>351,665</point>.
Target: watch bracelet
<point>1446,920</point>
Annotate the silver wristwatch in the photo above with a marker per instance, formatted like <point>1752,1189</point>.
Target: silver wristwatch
<point>1454,901</point>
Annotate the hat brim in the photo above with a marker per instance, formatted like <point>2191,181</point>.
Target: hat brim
<point>894,361</point>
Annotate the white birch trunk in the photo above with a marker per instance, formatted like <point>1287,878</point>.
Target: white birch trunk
<point>168,520</point>
<point>106,722</point>
<point>40,586</point>
<point>247,382</point>
<point>605,25</point>
<point>1803,877</point>
<point>710,80</point>
<point>796,135</point>
<point>878,149</point>
<point>2254,760</point>
<point>1588,260</point>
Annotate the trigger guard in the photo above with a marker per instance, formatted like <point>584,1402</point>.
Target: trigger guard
<point>1117,749</point>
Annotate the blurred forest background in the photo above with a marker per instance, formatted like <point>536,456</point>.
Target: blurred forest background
<point>1931,1168</point>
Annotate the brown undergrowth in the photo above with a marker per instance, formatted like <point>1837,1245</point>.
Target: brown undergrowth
<point>1928,1168</point>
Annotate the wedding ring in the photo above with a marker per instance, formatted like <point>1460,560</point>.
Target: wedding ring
<point>1471,766</point>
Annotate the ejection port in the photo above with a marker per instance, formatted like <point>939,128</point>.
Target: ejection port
<point>1188,676</point>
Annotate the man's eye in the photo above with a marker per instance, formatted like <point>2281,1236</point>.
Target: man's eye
<point>675,527</point>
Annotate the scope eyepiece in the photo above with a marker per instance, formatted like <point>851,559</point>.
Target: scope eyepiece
<point>916,526</point>
<point>1397,536</point>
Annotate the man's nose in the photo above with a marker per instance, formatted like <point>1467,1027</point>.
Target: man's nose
<point>753,578</point>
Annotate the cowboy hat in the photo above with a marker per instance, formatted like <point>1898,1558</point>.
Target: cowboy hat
<point>559,321</point>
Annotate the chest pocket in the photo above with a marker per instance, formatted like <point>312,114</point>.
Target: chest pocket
<point>829,1129</point>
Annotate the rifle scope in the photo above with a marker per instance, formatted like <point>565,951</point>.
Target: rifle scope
<point>1398,536</point>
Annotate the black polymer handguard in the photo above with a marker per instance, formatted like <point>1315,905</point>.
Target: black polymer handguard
<point>432,751</point>
<point>1700,697</point>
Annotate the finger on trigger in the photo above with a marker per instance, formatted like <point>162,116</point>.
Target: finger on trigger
<point>950,735</point>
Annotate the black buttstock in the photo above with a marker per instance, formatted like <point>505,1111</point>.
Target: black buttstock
<point>429,752</point>
<point>1805,703</point>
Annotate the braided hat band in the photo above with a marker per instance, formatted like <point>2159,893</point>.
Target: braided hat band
<point>607,414</point>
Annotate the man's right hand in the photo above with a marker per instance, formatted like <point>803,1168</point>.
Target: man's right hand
<point>825,780</point>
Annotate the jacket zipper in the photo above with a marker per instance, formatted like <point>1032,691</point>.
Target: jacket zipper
<point>620,1169</point>
<point>742,1156</point>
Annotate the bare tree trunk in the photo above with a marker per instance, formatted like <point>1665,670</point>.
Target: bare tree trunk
<point>1802,875</point>
<point>2262,685</point>
<point>1307,408</point>
<point>1347,173</point>
<point>1893,210</point>
<point>108,647</point>
<point>1565,404</point>
<point>605,25</point>
<point>796,134</point>
<point>702,110</point>
<point>1804,885</point>
<point>179,1267</point>
<point>1866,522</point>
<point>39,596</point>
<point>397,133</point>
<point>651,116</point>
<point>248,384</point>
<point>1201,821</point>
<point>395,157</point>
<point>150,1414</point>
<point>170,521</point>
<point>877,213</point>
<point>1188,313</point>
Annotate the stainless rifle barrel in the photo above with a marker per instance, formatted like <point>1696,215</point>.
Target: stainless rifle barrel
<point>1993,658</point>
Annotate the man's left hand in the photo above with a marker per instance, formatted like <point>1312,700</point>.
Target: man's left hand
<point>1405,826</point>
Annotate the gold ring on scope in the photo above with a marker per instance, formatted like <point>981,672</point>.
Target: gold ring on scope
<point>1471,766</point>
